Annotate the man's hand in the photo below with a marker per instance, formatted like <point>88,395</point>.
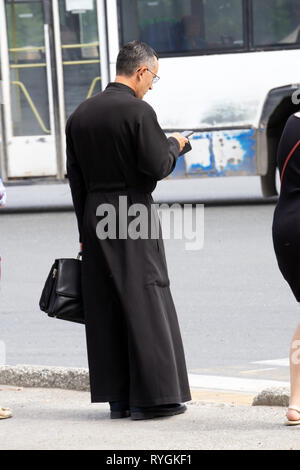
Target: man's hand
<point>80,246</point>
<point>182,140</point>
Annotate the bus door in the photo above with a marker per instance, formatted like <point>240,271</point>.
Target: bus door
<point>53,57</point>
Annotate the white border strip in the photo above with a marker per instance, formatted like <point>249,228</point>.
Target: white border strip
<point>275,362</point>
<point>234,384</point>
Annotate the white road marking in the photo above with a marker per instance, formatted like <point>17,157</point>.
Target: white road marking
<point>255,371</point>
<point>234,384</point>
<point>275,362</point>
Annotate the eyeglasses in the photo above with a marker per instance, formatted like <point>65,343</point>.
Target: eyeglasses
<point>155,77</point>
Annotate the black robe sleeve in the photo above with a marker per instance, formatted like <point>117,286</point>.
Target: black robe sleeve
<point>76,181</point>
<point>157,154</point>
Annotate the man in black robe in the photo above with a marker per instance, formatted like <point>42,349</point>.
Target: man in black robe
<point>117,150</point>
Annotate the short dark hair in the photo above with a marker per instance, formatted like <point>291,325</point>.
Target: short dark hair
<point>132,55</point>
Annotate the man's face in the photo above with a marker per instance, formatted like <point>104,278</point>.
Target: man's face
<point>145,79</point>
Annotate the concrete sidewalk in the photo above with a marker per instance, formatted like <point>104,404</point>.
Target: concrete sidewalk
<point>65,419</point>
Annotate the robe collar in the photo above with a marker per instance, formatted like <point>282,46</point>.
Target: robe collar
<point>121,87</point>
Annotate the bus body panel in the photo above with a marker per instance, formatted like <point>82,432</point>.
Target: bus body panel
<point>199,92</point>
<point>219,153</point>
<point>236,102</point>
<point>31,156</point>
<point>226,92</point>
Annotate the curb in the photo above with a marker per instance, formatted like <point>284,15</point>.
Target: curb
<point>72,378</point>
<point>68,378</point>
<point>36,209</point>
<point>274,396</point>
<point>69,207</point>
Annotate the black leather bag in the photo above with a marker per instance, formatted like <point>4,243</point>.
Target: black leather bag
<point>61,296</point>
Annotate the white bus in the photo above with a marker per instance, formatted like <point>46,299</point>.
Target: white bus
<point>228,69</point>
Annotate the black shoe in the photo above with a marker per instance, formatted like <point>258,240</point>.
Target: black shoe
<point>119,409</point>
<point>149,412</point>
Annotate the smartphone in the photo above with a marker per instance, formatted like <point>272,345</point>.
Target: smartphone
<point>187,134</point>
<point>187,146</point>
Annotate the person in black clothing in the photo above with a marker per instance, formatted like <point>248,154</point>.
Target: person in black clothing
<point>286,240</point>
<point>115,147</point>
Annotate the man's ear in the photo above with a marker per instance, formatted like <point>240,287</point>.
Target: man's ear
<point>141,71</point>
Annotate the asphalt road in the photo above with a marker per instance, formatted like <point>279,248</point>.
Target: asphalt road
<point>234,308</point>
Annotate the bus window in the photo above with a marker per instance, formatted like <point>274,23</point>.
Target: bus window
<point>173,26</point>
<point>28,77</point>
<point>80,51</point>
<point>282,25</point>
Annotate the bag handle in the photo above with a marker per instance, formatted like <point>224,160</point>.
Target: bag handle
<point>287,159</point>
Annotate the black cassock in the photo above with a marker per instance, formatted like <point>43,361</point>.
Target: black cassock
<point>116,148</point>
